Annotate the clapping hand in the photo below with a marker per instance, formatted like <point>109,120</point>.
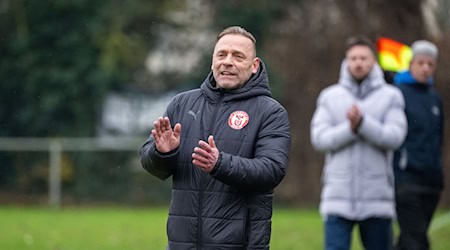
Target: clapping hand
<point>166,139</point>
<point>205,155</point>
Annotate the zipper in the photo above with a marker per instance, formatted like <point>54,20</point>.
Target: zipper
<point>203,175</point>
<point>213,120</point>
<point>356,166</point>
<point>354,177</point>
<point>358,94</point>
<point>200,210</point>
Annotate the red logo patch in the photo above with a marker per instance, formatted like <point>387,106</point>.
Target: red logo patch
<point>238,119</point>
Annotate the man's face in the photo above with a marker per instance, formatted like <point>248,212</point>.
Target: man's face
<point>422,67</point>
<point>233,61</point>
<point>360,60</point>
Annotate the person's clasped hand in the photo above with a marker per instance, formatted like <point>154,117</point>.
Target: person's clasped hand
<point>206,155</point>
<point>355,117</point>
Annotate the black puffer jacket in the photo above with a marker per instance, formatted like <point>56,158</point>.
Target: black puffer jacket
<point>231,208</point>
<point>418,162</point>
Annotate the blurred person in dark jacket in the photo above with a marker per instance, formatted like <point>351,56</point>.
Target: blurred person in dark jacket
<point>226,146</point>
<point>358,123</point>
<point>418,163</point>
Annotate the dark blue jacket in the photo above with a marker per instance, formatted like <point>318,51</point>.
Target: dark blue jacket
<point>231,208</point>
<point>419,160</point>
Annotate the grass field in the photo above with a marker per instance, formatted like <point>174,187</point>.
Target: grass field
<point>144,228</point>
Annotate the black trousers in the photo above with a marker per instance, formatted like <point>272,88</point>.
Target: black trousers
<point>415,207</point>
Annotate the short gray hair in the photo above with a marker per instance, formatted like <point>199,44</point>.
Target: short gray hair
<point>237,30</point>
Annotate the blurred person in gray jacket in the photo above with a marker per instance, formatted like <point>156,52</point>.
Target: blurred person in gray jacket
<point>358,123</point>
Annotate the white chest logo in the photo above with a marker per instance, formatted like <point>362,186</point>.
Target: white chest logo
<point>238,119</point>
<point>435,111</point>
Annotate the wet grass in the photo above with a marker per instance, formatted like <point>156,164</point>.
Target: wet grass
<point>144,228</point>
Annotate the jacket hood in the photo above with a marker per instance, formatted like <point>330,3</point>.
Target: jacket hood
<point>257,85</point>
<point>374,80</point>
<point>405,77</point>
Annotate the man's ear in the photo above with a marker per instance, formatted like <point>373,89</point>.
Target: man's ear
<point>255,65</point>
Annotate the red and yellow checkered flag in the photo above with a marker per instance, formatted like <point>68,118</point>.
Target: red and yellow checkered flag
<point>392,55</point>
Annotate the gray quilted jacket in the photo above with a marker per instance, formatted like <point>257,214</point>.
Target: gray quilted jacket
<point>357,178</point>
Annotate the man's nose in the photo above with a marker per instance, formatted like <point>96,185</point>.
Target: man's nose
<point>228,59</point>
<point>426,68</point>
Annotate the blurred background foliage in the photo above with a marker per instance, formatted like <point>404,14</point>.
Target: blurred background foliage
<point>60,59</point>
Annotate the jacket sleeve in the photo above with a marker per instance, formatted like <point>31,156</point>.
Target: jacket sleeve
<point>389,133</point>
<point>157,164</point>
<point>268,167</point>
<point>325,135</point>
